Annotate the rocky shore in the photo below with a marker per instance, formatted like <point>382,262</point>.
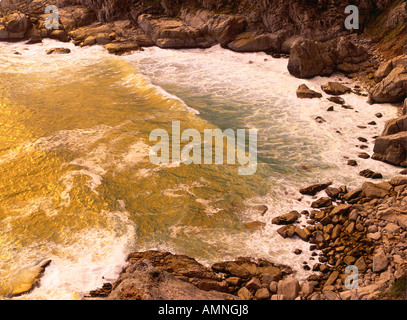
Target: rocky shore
<point>364,227</point>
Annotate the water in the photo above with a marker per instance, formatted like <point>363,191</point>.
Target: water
<point>77,186</point>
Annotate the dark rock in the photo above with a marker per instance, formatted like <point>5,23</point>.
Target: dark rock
<point>337,100</point>
<point>314,189</point>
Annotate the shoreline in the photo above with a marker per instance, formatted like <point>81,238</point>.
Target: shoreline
<point>367,228</point>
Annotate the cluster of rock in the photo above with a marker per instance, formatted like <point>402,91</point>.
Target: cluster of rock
<point>154,275</point>
<point>365,228</point>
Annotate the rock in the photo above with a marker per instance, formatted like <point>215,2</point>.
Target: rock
<point>254,284</point>
<point>332,278</point>
<point>308,288</point>
<point>361,264</point>
<point>331,108</point>
<point>288,288</point>
<point>337,100</point>
<point>320,120</point>
<point>23,281</point>
<point>379,115</point>
<point>58,51</point>
<point>278,297</point>
<point>352,163</point>
<point>262,209</point>
<point>297,251</point>
<point>374,236</point>
<point>322,202</point>
<point>171,33</point>
<point>404,111</point>
<point>370,174</point>
<point>13,25</point>
<point>314,189</point>
<point>332,192</point>
<point>303,234</point>
<point>330,295</point>
<point>352,194</point>
<point>304,92</point>
<point>254,225</point>
<point>249,42</point>
<point>233,281</point>
<point>380,261</point>
<point>288,218</point>
<point>217,28</point>
<point>392,228</point>
<point>373,191</point>
<point>394,126</point>
<point>246,268</point>
<point>310,58</point>
<point>286,231</point>
<point>273,286</point>
<point>398,181</point>
<point>335,88</point>
<point>363,155</point>
<point>393,88</point>
<point>120,48</point>
<point>245,294</point>
<point>392,149</point>
<point>341,209</point>
<point>384,70</point>
<point>262,294</point>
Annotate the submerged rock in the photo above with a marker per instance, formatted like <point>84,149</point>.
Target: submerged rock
<point>23,281</point>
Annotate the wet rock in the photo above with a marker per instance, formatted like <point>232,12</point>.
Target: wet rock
<point>363,155</point>
<point>304,92</point>
<point>120,48</point>
<point>322,202</point>
<point>335,88</point>
<point>24,280</point>
<point>332,192</point>
<point>314,189</point>
<point>13,25</point>
<point>392,149</point>
<point>370,174</point>
<point>250,42</point>
<point>286,231</point>
<point>58,51</point>
<point>352,163</point>
<point>288,218</point>
<point>337,100</point>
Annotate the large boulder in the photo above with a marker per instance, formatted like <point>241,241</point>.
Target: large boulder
<point>393,87</point>
<point>335,88</point>
<point>392,149</point>
<point>171,33</point>
<point>14,26</point>
<point>220,28</point>
<point>249,42</point>
<point>395,125</point>
<point>310,58</point>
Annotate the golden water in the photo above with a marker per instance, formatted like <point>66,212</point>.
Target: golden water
<point>74,149</point>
